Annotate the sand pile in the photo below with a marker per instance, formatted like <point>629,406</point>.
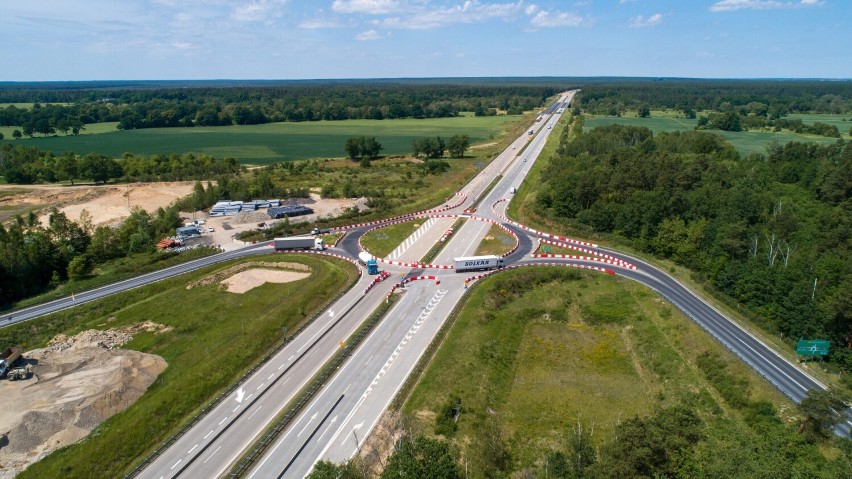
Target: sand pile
<point>252,278</point>
<point>78,382</point>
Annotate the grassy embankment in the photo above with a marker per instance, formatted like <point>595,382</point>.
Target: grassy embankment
<point>744,141</point>
<point>497,241</point>
<point>117,270</point>
<point>534,351</point>
<point>209,325</point>
<point>272,142</point>
<point>524,210</point>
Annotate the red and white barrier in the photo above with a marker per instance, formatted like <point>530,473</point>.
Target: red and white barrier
<point>614,262</point>
<point>462,197</point>
<point>564,239</point>
<point>408,280</point>
<point>566,265</point>
<point>324,253</point>
<point>613,259</point>
<point>415,265</point>
<point>381,277</point>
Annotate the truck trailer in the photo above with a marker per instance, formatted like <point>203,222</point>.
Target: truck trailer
<point>8,358</point>
<point>369,261</point>
<point>297,242</point>
<point>478,263</point>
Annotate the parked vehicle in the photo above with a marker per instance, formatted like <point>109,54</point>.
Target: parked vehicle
<point>478,263</point>
<point>210,229</point>
<point>8,359</point>
<point>320,231</point>
<point>369,261</point>
<point>21,373</point>
<point>297,242</point>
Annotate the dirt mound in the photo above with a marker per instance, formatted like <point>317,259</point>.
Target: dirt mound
<point>247,280</point>
<point>78,382</point>
<point>218,276</point>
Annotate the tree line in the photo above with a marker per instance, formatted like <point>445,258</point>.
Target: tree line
<point>762,98</point>
<point>170,107</point>
<point>771,231</point>
<point>27,165</point>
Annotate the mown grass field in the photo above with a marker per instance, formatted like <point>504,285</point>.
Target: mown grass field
<point>744,141</point>
<point>274,142</point>
<point>497,241</point>
<point>90,129</point>
<point>383,241</point>
<point>534,351</point>
<point>217,336</point>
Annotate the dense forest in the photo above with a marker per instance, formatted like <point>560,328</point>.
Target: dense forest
<point>772,231</point>
<point>764,98</point>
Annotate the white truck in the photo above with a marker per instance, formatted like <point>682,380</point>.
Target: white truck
<point>478,263</point>
<point>297,242</point>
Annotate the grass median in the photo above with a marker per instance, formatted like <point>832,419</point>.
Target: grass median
<point>216,337</point>
<point>383,241</point>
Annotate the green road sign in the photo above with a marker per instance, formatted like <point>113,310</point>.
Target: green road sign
<point>813,347</point>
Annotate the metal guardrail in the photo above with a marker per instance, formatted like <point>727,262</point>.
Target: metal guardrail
<point>249,459</point>
<point>215,402</point>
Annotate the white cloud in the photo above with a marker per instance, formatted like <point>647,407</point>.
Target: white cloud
<point>370,7</point>
<point>319,23</point>
<point>258,10</point>
<point>531,9</point>
<point>471,11</point>
<point>734,5</point>
<point>642,22</point>
<point>546,19</point>
<point>367,36</point>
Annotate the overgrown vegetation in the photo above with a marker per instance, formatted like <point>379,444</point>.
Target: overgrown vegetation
<point>625,386</point>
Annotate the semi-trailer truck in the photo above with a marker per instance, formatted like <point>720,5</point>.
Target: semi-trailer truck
<point>478,263</point>
<point>8,358</point>
<point>297,242</point>
<point>369,261</point>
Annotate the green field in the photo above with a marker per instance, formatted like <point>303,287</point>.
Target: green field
<point>90,129</point>
<point>217,336</point>
<point>270,143</point>
<point>497,241</point>
<point>744,141</point>
<point>383,241</point>
<point>534,351</point>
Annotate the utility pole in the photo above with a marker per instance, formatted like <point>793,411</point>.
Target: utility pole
<point>813,292</point>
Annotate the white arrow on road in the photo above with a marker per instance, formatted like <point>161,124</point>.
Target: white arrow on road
<point>330,313</point>
<point>330,425</point>
<point>306,424</point>
<point>240,395</point>
<point>358,426</point>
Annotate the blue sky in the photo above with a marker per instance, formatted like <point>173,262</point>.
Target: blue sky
<point>297,39</point>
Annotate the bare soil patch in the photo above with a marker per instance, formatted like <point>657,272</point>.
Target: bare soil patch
<point>78,382</point>
<point>107,204</point>
<point>250,279</point>
<point>219,276</point>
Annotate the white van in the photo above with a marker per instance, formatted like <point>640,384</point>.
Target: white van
<point>513,190</point>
